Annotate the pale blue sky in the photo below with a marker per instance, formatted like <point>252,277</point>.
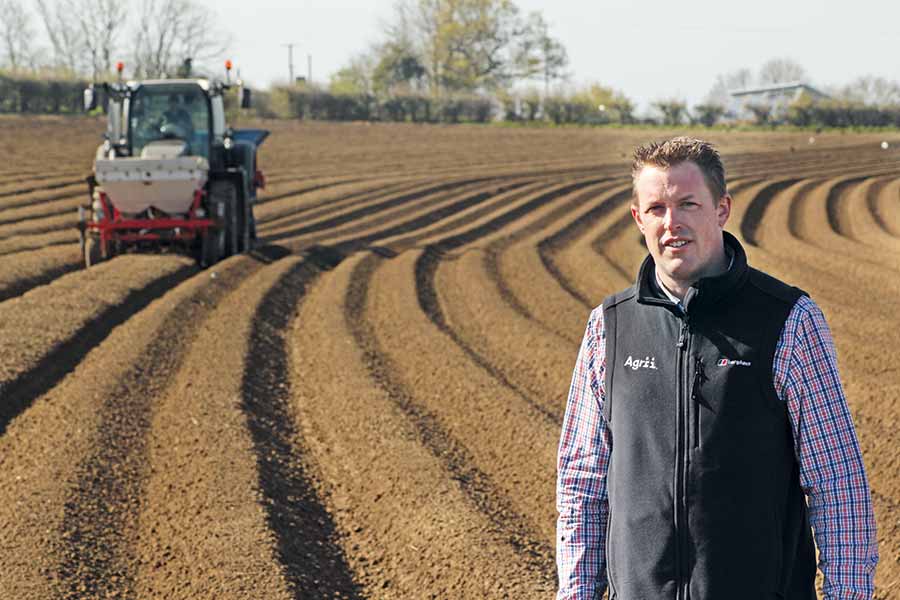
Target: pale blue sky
<point>649,50</point>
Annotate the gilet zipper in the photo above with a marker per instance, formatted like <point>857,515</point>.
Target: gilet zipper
<point>681,461</point>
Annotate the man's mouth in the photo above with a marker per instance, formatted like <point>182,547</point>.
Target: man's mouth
<point>676,243</point>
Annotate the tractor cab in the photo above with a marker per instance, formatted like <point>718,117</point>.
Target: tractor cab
<point>165,118</point>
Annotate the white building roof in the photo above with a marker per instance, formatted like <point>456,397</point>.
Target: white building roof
<point>778,87</point>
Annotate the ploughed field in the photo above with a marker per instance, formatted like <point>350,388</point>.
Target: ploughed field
<point>368,404</point>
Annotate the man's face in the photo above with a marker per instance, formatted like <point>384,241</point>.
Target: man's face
<point>681,223</point>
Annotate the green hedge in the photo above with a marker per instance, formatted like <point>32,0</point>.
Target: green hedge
<point>20,94</point>
<point>316,104</point>
<point>842,114</point>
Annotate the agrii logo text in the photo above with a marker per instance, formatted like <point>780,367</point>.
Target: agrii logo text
<point>724,362</point>
<point>637,363</point>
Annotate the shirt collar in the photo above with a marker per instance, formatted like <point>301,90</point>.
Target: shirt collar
<point>728,251</point>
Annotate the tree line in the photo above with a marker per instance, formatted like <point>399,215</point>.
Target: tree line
<point>445,61</point>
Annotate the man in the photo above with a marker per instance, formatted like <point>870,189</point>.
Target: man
<point>705,412</point>
<point>176,120</point>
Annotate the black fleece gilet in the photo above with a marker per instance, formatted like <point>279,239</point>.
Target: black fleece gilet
<point>704,494</point>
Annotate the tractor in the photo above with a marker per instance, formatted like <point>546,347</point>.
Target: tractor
<point>170,176</point>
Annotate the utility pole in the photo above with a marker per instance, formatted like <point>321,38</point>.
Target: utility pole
<point>290,48</point>
<point>309,68</point>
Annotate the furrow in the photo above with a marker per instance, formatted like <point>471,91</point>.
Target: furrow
<point>66,205</point>
<point>22,191</point>
<point>782,254</point>
<point>515,265</point>
<point>483,490</point>
<point>425,270</point>
<point>886,207</point>
<point>26,243</point>
<point>24,271</point>
<point>48,449</point>
<point>817,208</point>
<point>275,188</point>
<point>566,255</point>
<point>49,330</point>
<point>383,208</point>
<point>308,549</point>
<point>491,422</point>
<point>427,292</point>
<point>294,209</point>
<point>860,221</point>
<point>755,210</point>
<point>225,488</point>
<point>65,220</point>
<point>411,526</point>
<point>97,553</point>
<point>429,215</point>
<point>835,205</point>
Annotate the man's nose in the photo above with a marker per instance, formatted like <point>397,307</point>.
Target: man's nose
<point>672,219</point>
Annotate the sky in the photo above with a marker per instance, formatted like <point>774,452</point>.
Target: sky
<point>649,50</point>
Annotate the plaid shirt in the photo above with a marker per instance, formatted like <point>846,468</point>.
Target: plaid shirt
<point>831,468</point>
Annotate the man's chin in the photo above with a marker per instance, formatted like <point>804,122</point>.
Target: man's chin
<point>675,270</point>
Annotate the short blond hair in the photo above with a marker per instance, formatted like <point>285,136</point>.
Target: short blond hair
<point>679,150</point>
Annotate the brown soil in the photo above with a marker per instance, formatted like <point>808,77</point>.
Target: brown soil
<point>368,404</point>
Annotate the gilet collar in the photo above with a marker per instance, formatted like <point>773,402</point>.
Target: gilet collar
<point>706,291</point>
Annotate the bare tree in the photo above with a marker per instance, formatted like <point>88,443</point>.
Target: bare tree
<point>99,21</point>
<point>15,35</point>
<point>874,91</point>
<point>66,37</point>
<point>781,70</point>
<point>720,94</point>
<point>170,31</point>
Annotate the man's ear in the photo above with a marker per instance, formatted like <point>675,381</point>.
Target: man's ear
<point>723,210</point>
<point>636,215</point>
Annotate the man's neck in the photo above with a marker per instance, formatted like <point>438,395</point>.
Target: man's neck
<point>676,290</point>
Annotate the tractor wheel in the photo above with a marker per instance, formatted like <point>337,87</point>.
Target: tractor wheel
<point>212,247</point>
<point>93,251</point>
<point>224,193</point>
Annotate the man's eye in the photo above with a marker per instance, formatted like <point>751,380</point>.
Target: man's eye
<point>656,209</point>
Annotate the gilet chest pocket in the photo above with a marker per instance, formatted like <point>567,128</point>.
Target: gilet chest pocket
<point>733,387</point>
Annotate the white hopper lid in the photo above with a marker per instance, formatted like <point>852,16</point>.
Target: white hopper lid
<point>135,184</point>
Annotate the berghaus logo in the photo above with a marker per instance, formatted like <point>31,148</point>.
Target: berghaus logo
<point>637,363</point>
<point>725,362</point>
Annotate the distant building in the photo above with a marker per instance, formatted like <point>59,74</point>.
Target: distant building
<point>777,97</point>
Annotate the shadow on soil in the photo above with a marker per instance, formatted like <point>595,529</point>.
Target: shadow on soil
<point>19,393</point>
<point>307,540</point>
<point>24,285</point>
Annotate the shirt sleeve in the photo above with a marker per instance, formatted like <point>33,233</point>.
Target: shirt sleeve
<point>583,461</point>
<point>830,461</point>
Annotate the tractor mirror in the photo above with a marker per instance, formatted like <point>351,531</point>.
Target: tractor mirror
<point>90,99</point>
<point>245,97</point>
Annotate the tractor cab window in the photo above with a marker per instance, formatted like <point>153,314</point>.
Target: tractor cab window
<point>165,113</point>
